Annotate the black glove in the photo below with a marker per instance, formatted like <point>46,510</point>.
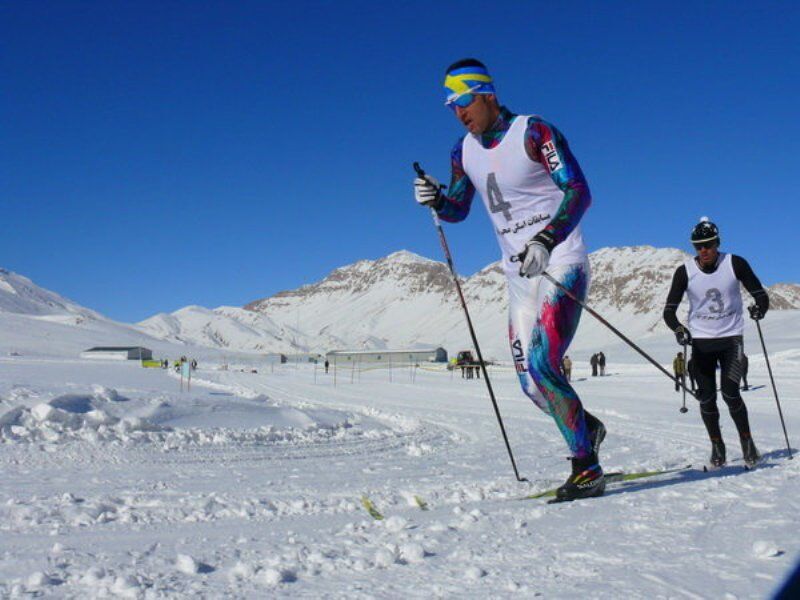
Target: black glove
<point>683,336</point>
<point>755,312</point>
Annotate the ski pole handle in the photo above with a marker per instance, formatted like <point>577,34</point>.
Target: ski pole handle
<point>421,174</point>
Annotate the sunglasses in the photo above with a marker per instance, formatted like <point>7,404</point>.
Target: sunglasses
<point>708,244</point>
<point>463,100</point>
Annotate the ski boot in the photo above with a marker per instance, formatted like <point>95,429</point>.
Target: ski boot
<point>587,480</point>
<point>717,454</point>
<point>597,431</point>
<point>750,452</point>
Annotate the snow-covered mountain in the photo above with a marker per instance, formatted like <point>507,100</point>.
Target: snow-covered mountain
<point>400,301</point>
<point>37,322</point>
<point>20,295</point>
<point>783,296</point>
<point>224,327</point>
<point>359,305</point>
<point>404,300</point>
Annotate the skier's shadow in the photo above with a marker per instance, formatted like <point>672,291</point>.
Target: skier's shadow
<point>697,475</point>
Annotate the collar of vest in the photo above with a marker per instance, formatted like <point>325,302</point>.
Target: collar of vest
<point>712,268</point>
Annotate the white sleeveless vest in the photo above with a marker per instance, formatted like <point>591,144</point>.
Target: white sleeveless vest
<point>519,195</point>
<point>715,300</point>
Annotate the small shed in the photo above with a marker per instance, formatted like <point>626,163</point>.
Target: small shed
<point>118,353</point>
<point>275,358</point>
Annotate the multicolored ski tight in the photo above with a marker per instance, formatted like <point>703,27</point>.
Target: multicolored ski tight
<point>542,323</point>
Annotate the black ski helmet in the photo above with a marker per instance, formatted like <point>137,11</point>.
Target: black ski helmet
<point>705,231</point>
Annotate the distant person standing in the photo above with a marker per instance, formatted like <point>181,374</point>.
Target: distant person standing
<point>327,365</point>
<point>712,282</point>
<point>566,367</point>
<point>593,362</point>
<point>601,363</point>
<point>679,369</point>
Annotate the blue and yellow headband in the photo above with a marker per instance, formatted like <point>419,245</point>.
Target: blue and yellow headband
<point>472,79</point>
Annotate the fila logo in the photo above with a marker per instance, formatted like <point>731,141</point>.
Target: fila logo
<point>519,356</point>
<point>551,156</point>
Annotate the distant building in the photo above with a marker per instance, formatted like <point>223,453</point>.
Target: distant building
<point>275,358</point>
<point>118,353</point>
<point>387,356</point>
<point>305,357</point>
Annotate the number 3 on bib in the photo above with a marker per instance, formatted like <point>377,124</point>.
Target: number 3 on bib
<point>714,296</point>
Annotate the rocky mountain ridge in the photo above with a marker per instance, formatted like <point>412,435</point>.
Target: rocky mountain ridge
<point>399,301</point>
<point>404,301</point>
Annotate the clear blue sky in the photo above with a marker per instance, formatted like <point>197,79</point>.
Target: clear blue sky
<point>159,154</point>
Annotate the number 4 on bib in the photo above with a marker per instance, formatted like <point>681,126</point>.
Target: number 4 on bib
<point>496,202</point>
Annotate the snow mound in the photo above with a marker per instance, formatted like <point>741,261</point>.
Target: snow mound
<point>72,417</point>
<point>174,424</point>
<point>765,549</point>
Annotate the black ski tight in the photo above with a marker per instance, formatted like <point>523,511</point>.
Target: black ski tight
<point>726,352</point>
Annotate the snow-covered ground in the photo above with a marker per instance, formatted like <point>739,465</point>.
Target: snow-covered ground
<point>118,484</point>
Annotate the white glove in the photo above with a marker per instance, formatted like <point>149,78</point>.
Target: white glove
<point>535,259</point>
<point>426,191</point>
<point>536,255</point>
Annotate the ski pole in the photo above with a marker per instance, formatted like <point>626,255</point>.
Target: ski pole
<point>774,389</point>
<point>683,379</point>
<point>449,258</point>
<point>558,284</point>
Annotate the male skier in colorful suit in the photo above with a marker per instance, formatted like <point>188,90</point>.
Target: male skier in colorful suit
<point>536,194</point>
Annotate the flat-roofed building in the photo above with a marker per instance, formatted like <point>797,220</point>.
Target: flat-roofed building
<point>397,357</point>
<point>118,353</point>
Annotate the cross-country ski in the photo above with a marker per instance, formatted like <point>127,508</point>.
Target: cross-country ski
<point>616,477</point>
